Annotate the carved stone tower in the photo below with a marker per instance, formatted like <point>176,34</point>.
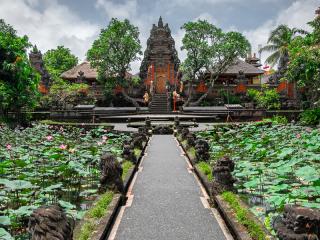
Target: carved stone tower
<point>160,63</point>
<point>36,62</point>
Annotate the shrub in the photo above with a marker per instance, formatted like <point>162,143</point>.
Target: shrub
<point>277,119</point>
<point>205,168</point>
<point>242,215</point>
<point>62,94</point>
<point>266,98</point>
<point>310,117</point>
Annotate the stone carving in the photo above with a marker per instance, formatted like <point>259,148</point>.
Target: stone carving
<point>128,152</point>
<point>138,139</point>
<point>176,121</point>
<point>111,171</point>
<point>50,222</point>
<point>81,78</point>
<point>163,130</point>
<point>222,173</point>
<point>160,49</point>
<point>148,122</point>
<point>202,150</point>
<point>241,78</point>
<point>191,138</point>
<point>184,133</point>
<point>37,63</point>
<point>298,223</point>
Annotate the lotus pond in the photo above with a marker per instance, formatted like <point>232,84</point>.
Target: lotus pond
<point>45,165</point>
<point>275,164</point>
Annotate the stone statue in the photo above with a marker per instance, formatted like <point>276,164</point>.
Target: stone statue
<point>81,78</point>
<point>222,173</point>
<point>241,77</point>
<point>191,139</point>
<point>298,223</point>
<point>50,222</point>
<point>111,171</point>
<point>128,152</point>
<point>202,150</point>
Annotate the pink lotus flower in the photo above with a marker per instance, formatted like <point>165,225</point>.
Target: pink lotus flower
<point>8,146</point>
<point>49,138</point>
<point>104,138</point>
<point>99,143</point>
<point>298,135</point>
<point>63,147</point>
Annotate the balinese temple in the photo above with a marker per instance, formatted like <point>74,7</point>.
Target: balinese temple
<point>160,64</point>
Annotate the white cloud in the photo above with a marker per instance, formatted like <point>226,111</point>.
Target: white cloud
<point>296,15</point>
<point>118,10</point>
<point>53,25</point>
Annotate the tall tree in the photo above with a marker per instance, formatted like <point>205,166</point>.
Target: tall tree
<point>117,46</point>
<point>304,66</point>
<point>278,42</point>
<point>210,50</point>
<point>59,60</point>
<point>196,43</point>
<point>18,81</point>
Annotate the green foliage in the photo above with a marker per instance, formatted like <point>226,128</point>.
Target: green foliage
<point>51,164</point>
<point>277,120</point>
<point>242,215</point>
<point>274,164</point>
<point>86,231</point>
<point>94,215</point>
<point>62,94</point>
<point>126,166</point>
<point>305,62</point>
<point>135,81</point>
<point>101,207</point>
<point>310,117</point>
<point>117,46</point>
<point>211,50</point>
<point>229,98</point>
<point>59,60</point>
<point>253,94</point>
<point>205,168</point>
<point>18,81</point>
<point>278,42</point>
<point>266,98</point>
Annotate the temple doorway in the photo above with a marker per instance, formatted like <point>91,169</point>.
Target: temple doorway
<point>161,84</point>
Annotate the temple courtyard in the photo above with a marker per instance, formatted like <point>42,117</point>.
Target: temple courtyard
<point>159,120</point>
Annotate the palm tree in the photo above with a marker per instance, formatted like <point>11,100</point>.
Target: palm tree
<point>278,43</point>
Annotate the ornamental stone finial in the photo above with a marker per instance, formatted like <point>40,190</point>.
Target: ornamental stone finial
<point>160,23</point>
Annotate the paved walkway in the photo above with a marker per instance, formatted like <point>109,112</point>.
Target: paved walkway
<point>166,201</point>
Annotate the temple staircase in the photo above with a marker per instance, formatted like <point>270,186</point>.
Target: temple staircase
<point>159,103</point>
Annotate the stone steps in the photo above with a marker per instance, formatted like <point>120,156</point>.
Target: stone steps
<point>159,104</point>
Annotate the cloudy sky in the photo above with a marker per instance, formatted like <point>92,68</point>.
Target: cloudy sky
<point>76,23</point>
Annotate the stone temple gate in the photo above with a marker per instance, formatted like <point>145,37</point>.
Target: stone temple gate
<point>160,63</point>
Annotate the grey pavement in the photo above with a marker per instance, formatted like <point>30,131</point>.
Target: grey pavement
<point>166,202</point>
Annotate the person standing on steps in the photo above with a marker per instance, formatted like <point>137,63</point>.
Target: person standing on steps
<point>146,98</point>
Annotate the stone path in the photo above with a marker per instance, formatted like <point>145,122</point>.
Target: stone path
<point>166,201</point>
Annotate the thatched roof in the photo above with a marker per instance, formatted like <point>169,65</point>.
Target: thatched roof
<point>73,73</point>
<point>89,72</point>
<point>240,65</point>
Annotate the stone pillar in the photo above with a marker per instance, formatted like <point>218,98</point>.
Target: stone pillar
<point>222,173</point>
<point>298,223</point>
